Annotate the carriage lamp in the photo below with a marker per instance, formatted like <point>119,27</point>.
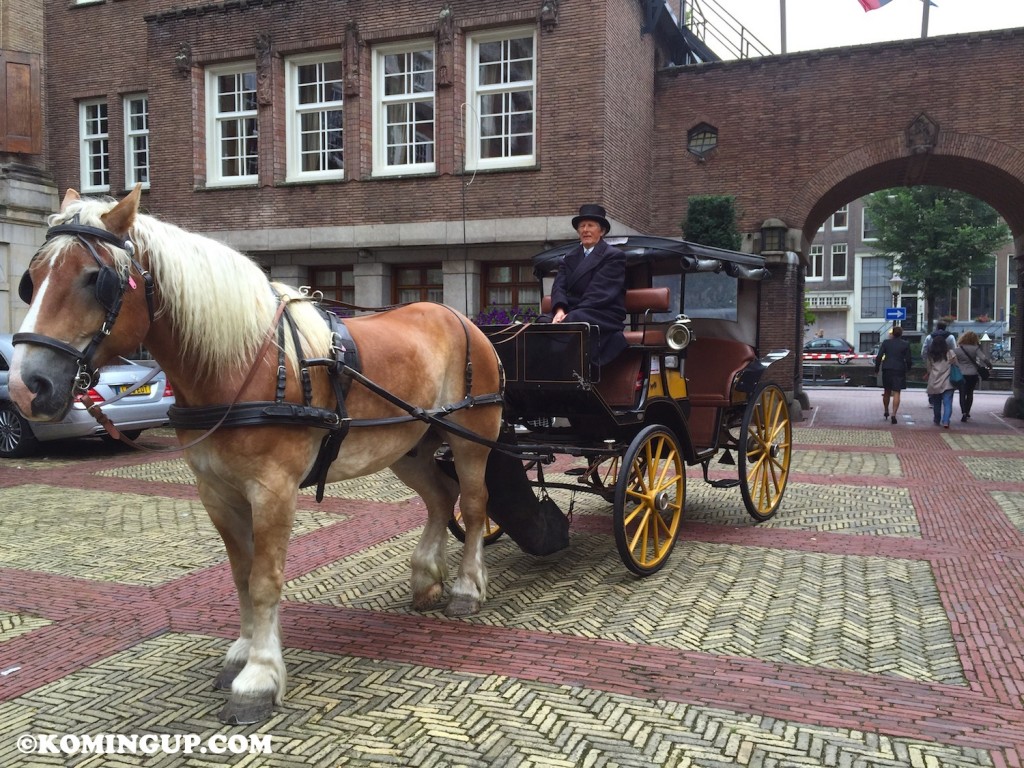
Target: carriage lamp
<point>896,286</point>
<point>773,236</point>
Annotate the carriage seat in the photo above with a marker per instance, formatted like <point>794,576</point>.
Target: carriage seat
<point>640,304</point>
<point>711,368</point>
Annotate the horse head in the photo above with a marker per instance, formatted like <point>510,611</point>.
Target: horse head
<point>90,299</point>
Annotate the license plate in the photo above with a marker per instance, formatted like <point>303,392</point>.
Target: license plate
<point>145,389</point>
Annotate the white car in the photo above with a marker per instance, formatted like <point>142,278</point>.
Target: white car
<point>146,408</point>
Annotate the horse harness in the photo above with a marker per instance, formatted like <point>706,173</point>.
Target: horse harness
<point>343,366</point>
<point>110,289</point>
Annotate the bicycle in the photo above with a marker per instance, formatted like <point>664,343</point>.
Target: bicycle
<point>999,352</point>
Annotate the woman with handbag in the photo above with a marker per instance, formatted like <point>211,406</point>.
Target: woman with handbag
<point>894,361</point>
<point>940,361</point>
<point>974,365</point>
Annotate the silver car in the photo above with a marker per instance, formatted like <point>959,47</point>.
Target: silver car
<point>146,408</point>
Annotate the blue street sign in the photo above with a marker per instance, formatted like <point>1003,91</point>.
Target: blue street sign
<point>895,313</point>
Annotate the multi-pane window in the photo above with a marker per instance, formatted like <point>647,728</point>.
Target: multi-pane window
<point>418,283</point>
<point>511,287</point>
<point>502,97</point>
<point>232,152</point>
<point>94,145</point>
<point>336,284</point>
<point>315,125</point>
<point>403,80</point>
<point>136,140</point>
<point>838,261</point>
<point>875,294</point>
<point>816,263</point>
<point>841,217</point>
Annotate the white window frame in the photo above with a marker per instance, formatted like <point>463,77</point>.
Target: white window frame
<point>321,109</point>
<point>215,121</point>
<point>409,98</point>
<point>838,248</point>
<point>477,92</point>
<point>816,264</point>
<point>844,212</point>
<point>864,228</point>
<point>136,142</point>
<point>94,144</point>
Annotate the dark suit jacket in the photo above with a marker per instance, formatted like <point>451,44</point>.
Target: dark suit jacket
<point>894,355</point>
<point>593,290</point>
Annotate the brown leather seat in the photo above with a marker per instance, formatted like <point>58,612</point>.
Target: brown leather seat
<point>711,367</point>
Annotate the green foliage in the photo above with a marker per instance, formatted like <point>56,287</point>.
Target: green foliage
<point>711,220</point>
<point>809,317</point>
<point>937,238</point>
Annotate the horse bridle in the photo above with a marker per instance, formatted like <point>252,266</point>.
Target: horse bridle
<point>110,290</point>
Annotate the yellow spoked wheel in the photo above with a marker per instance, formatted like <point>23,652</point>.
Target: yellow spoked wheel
<point>492,531</point>
<point>765,450</point>
<point>649,499</point>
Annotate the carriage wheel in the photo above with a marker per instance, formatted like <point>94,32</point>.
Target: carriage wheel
<point>765,450</point>
<point>649,500</point>
<point>492,531</point>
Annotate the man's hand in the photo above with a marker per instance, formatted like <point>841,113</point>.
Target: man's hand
<point>559,315</point>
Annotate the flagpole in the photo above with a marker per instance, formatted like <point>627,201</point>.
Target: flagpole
<point>782,22</point>
<point>924,18</point>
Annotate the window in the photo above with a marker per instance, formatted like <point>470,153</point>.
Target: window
<point>816,263</point>
<point>501,98</point>
<point>422,283</point>
<point>94,146</point>
<point>868,230</point>
<point>336,284</point>
<point>841,217</point>
<point>511,286</point>
<point>983,293</point>
<point>404,116</point>
<point>839,261</point>
<point>875,294</point>
<point>136,140</point>
<point>232,131</point>
<point>701,139</point>
<point>315,118</point>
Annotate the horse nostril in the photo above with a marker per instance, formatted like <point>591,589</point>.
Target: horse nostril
<point>42,389</point>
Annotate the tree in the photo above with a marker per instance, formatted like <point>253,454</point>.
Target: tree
<point>711,220</point>
<point>936,238</point>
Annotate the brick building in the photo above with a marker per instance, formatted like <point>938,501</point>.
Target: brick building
<point>425,152</point>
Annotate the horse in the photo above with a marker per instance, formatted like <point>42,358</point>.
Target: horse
<point>110,278</point>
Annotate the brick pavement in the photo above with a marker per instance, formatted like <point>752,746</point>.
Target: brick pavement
<point>876,621</point>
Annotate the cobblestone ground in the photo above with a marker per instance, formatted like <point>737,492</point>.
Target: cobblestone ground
<point>877,620</point>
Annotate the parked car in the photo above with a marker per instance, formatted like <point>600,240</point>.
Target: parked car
<point>146,408</point>
<point>828,346</point>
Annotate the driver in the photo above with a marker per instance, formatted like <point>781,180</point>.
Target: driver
<point>590,285</point>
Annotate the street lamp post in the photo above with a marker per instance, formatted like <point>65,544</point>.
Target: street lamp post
<point>896,286</point>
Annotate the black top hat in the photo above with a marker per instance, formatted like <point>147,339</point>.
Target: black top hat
<point>593,213</point>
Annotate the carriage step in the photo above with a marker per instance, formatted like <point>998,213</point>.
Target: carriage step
<point>730,482</point>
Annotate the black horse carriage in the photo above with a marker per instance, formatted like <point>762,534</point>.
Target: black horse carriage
<point>687,390</point>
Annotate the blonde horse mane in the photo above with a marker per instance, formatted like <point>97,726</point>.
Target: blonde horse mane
<point>218,300</point>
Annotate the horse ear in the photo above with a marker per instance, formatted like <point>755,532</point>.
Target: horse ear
<point>120,218</point>
<point>69,197</point>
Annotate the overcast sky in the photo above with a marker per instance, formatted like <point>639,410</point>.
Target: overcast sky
<point>813,24</point>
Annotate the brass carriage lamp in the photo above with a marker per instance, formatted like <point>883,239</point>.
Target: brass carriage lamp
<point>773,236</point>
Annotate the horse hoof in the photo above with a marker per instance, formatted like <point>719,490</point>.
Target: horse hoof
<point>462,605</point>
<point>227,677</point>
<point>428,600</point>
<point>247,709</point>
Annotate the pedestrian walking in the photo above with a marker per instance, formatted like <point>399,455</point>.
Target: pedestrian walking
<point>972,361</point>
<point>939,363</point>
<point>894,360</point>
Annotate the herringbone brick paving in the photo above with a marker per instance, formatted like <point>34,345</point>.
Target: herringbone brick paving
<point>876,621</point>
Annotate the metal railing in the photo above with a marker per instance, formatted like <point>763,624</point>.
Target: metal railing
<point>720,30</point>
